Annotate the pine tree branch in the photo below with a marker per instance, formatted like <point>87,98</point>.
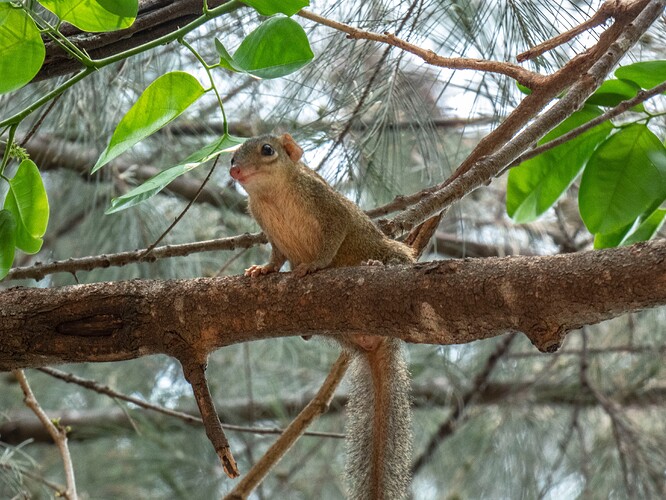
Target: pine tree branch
<point>448,426</point>
<point>74,265</point>
<point>447,302</point>
<point>528,78</point>
<point>20,426</point>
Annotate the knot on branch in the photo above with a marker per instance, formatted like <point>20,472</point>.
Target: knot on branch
<point>545,337</point>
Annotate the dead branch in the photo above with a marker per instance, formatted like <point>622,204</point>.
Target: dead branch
<point>528,78</point>
<point>195,373</point>
<point>316,407</point>
<point>57,433</point>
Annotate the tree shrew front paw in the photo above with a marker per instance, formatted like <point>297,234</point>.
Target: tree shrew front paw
<point>258,270</point>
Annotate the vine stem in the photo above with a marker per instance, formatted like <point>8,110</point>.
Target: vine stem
<point>100,63</point>
<point>57,37</point>
<point>207,67</point>
<point>8,148</point>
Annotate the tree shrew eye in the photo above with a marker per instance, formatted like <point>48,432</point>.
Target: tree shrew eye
<point>267,150</point>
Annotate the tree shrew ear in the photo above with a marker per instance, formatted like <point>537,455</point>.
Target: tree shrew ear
<point>293,150</point>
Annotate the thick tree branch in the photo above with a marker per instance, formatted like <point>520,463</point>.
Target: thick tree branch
<point>447,302</point>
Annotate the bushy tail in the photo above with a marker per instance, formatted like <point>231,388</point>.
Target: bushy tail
<point>379,436</point>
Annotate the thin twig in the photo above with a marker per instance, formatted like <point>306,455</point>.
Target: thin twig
<point>181,214</point>
<point>185,417</point>
<point>641,96</point>
<point>58,434</point>
<point>607,10</point>
<point>528,78</point>
<point>563,445</point>
<point>40,120</point>
<point>314,409</point>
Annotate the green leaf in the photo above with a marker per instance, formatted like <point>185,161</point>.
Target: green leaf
<point>7,241</point>
<point>642,229</point>
<point>163,100</point>
<point>95,15</point>
<point>270,7</point>
<point>613,92</point>
<point>31,200</point>
<point>625,176</point>
<point>276,48</point>
<point>648,228</point>
<point>226,60</point>
<point>21,48</point>
<point>158,182</point>
<point>24,240</point>
<point>28,203</point>
<point>525,90</point>
<point>536,184</point>
<point>613,239</point>
<point>647,74</point>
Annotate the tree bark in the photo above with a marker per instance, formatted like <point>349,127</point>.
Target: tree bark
<point>446,302</point>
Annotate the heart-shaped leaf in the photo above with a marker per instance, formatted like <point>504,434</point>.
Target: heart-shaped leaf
<point>278,47</point>
<point>163,100</point>
<point>95,15</point>
<point>21,48</point>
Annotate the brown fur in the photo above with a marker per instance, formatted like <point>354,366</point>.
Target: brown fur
<point>314,227</point>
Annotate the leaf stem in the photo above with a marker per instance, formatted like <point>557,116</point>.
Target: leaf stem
<point>16,119</point>
<point>207,68</point>
<point>8,148</point>
<point>54,33</point>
